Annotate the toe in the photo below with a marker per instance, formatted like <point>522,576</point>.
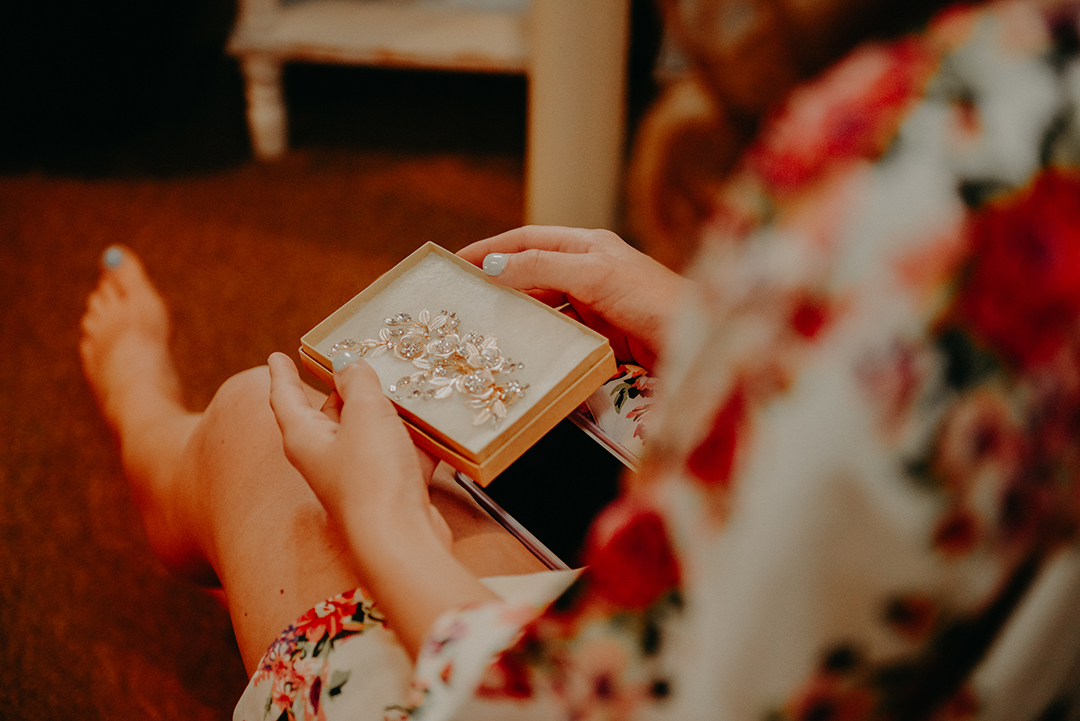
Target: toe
<point>117,256</point>
<point>105,295</point>
<point>120,264</point>
<point>128,265</point>
<point>112,257</point>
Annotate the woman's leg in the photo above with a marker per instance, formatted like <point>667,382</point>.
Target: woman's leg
<point>219,499</point>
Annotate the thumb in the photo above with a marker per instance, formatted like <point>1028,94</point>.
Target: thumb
<point>372,414</point>
<point>549,276</point>
<point>364,408</point>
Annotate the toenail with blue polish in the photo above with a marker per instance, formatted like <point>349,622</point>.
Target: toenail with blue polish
<point>494,263</point>
<point>344,358</point>
<point>113,257</point>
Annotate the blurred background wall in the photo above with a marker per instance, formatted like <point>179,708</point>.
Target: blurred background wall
<point>127,86</point>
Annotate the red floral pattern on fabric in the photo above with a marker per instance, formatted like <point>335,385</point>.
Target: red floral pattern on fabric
<point>506,677</point>
<point>296,662</point>
<point>851,112</point>
<point>958,533</point>
<point>1018,300</point>
<point>713,460</point>
<point>1021,296</point>
<point>810,316</point>
<point>829,698</point>
<point>912,617</point>
<point>631,562</point>
<point>329,618</point>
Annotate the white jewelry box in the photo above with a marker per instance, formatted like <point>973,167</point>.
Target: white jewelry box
<point>563,362</point>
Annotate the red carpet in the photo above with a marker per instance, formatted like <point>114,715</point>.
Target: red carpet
<point>248,257</point>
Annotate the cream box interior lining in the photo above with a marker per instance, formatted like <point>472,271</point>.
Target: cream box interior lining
<point>548,345</point>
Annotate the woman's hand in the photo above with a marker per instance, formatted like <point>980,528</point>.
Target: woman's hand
<point>611,287</point>
<point>359,460</point>
<point>348,451</point>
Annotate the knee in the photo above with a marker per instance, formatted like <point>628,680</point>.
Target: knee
<point>237,437</point>
<point>241,406</point>
<point>247,391</point>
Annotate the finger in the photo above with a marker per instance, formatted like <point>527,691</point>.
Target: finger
<point>287,394</point>
<point>367,392</point>
<point>553,298</point>
<point>584,277</point>
<point>543,237</point>
<point>370,424</point>
<point>362,395</point>
<point>331,407</point>
<point>572,312</point>
<point>302,426</point>
<point>428,463</point>
<point>368,418</point>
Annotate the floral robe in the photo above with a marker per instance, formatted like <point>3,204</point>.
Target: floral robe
<point>860,492</point>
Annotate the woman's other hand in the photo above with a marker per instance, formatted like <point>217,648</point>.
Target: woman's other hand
<point>611,287</point>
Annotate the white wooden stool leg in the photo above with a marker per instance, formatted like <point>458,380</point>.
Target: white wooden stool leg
<point>577,111</point>
<point>267,122</point>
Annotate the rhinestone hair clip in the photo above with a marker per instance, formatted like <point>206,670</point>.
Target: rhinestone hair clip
<point>470,364</point>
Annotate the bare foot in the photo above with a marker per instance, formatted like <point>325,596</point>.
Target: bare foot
<point>125,343</point>
<point>125,357</point>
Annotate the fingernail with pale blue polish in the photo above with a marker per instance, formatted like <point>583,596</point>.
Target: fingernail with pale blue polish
<point>344,358</point>
<point>112,257</point>
<point>494,263</point>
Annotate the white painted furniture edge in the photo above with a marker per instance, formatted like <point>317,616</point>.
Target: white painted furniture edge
<point>574,53</point>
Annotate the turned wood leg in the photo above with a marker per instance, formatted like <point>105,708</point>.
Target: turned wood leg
<point>577,112</point>
<point>267,122</point>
